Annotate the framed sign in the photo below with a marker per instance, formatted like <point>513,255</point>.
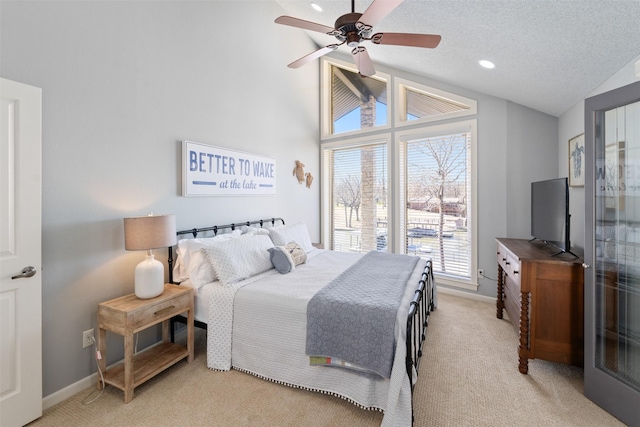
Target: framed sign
<point>216,171</point>
<point>576,161</point>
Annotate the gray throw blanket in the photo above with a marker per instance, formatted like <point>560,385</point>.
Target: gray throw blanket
<point>353,317</point>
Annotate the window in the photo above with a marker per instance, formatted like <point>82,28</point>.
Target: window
<point>418,103</point>
<point>353,102</point>
<point>438,203</point>
<point>357,209</point>
<point>410,190</point>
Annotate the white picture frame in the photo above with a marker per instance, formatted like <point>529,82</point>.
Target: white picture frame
<point>208,170</point>
<point>576,161</point>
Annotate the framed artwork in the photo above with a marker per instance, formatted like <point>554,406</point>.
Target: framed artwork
<point>576,161</point>
<point>217,171</point>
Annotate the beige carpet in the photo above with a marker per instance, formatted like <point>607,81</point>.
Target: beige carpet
<point>468,377</point>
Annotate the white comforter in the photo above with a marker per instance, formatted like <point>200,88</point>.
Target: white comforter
<point>259,326</point>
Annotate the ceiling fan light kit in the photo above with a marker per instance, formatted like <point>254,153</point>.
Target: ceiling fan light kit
<point>354,28</point>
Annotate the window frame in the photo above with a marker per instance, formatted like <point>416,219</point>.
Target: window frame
<point>325,100</point>
<point>326,196</point>
<point>401,138</point>
<point>400,110</point>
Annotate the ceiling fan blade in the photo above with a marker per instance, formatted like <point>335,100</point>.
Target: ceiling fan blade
<point>313,55</point>
<point>305,25</point>
<point>363,61</point>
<point>406,39</point>
<point>378,10</point>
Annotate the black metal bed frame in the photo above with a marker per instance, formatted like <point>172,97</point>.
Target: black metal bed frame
<point>422,303</point>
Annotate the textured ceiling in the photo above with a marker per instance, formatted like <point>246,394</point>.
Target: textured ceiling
<point>548,54</point>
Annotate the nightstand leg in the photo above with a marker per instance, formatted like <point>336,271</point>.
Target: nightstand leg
<point>102,348</point>
<point>128,368</point>
<point>190,334</point>
<point>165,331</point>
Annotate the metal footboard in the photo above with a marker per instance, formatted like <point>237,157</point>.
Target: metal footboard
<point>417,321</point>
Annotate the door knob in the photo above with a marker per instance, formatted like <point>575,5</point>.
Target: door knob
<point>585,265</point>
<point>26,272</point>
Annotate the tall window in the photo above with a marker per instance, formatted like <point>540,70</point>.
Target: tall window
<point>437,187</point>
<point>357,209</point>
<point>410,190</point>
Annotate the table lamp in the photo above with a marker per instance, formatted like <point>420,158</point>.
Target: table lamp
<point>148,233</point>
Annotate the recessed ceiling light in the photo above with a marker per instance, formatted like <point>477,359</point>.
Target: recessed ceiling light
<point>487,64</point>
<point>316,6</point>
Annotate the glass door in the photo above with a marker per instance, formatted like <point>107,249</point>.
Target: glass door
<point>612,252</point>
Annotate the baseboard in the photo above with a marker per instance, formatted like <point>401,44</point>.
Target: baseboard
<point>75,388</point>
<point>69,391</point>
<point>464,294</point>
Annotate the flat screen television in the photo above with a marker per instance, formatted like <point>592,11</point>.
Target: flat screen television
<point>550,218</point>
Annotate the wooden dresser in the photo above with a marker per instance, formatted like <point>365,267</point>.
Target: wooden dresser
<point>543,296</point>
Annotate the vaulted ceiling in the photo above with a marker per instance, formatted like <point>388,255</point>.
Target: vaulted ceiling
<point>548,54</point>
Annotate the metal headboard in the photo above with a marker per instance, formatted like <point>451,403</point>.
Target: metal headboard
<point>215,229</point>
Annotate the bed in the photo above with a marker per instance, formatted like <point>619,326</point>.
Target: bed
<point>256,316</point>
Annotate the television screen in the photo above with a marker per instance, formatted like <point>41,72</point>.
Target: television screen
<point>550,212</point>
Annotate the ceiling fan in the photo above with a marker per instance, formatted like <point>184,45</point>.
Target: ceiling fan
<point>354,28</point>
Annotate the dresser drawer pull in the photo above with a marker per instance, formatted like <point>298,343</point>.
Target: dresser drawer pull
<point>516,272</point>
<point>164,310</point>
<point>508,263</point>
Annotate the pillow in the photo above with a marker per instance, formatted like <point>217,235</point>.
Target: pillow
<point>285,258</point>
<point>292,233</point>
<point>240,258</point>
<point>193,263</point>
<point>256,230</point>
<point>179,270</point>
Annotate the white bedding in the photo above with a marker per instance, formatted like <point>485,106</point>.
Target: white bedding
<point>259,326</point>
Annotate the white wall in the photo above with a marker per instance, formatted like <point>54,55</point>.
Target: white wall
<point>531,143</point>
<point>123,83</point>
<point>571,123</point>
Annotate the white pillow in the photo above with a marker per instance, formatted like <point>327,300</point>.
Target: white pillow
<point>297,232</point>
<point>194,264</point>
<point>256,230</point>
<point>179,270</point>
<point>240,258</point>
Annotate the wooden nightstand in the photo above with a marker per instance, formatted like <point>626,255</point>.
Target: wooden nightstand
<point>128,315</point>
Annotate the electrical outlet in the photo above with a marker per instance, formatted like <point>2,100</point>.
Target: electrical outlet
<point>87,338</point>
<point>480,272</point>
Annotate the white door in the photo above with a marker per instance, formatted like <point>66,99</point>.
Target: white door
<point>20,248</point>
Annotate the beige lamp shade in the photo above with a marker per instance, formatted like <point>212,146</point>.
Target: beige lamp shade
<point>149,232</point>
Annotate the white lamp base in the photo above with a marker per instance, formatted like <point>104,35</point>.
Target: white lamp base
<point>149,281</point>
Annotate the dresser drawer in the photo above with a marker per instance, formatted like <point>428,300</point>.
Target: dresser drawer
<point>156,313</point>
<point>501,256</point>
<point>509,263</point>
<point>512,302</point>
<point>513,268</point>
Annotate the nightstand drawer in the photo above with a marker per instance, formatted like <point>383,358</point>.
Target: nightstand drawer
<point>164,310</point>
